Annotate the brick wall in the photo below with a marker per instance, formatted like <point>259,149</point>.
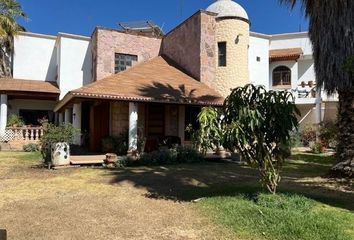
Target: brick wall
<point>107,42</point>
<point>192,46</point>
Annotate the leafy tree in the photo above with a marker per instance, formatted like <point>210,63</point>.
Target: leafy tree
<point>257,124</point>
<point>331,31</point>
<point>10,11</point>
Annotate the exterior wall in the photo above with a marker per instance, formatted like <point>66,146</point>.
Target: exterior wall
<point>119,118</point>
<point>108,42</point>
<point>35,57</point>
<point>75,69</point>
<point>292,40</point>
<point>236,72</point>
<point>306,71</point>
<point>259,70</point>
<point>192,46</point>
<point>17,104</point>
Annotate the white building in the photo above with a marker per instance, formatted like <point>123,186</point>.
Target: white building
<point>50,71</point>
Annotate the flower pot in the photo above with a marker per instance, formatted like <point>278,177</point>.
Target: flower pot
<point>60,154</point>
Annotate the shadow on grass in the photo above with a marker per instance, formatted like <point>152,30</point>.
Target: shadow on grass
<point>191,182</point>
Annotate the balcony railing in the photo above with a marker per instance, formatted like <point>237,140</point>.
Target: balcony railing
<point>24,134</point>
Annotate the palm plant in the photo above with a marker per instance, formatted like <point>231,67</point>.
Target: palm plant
<point>331,31</point>
<point>10,11</point>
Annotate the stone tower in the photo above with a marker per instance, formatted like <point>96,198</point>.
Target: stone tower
<point>232,36</point>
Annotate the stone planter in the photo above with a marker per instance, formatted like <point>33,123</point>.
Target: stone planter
<point>60,154</point>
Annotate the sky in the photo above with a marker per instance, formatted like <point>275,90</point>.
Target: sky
<point>82,16</point>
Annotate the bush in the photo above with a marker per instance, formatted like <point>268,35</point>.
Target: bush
<point>32,147</point>
<point>308,134</point>
<point>55,134</point>
<point>116,144</point>
<point>170,156</point>
<point>328,134</point>
<point>295,139</point>
<point>318,148</point>
<point>15,121</point>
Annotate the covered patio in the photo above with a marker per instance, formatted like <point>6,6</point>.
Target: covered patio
<point>152,100</point>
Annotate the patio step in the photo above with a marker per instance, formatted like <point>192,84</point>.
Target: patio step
<point>87,160</point>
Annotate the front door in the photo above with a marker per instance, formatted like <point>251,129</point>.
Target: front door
<point>156,120</point>
<point>99,126</point>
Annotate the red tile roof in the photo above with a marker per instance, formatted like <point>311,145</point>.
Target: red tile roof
<point>157,80</point>
<point>20,85</point>
<point>285,54</point>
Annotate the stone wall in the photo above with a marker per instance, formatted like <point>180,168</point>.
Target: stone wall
<point>192,46</point>
<point>107,42</point>
<point>119,117</point>
<point>236,72</point>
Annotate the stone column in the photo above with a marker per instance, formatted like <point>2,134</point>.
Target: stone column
<point>77,121</point>
<point>3,113</point>
<point>133,127</point>
<point>68,117</point>
<point>181,122</point>
<point>60,118</point>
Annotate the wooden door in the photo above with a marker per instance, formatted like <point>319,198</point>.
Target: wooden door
<point>99,126</point>
<point>156,120</point>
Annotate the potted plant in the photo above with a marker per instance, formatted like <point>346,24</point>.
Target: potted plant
<point>15,121</point>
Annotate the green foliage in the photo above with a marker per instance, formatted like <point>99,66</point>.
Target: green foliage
<point>122,162</point>
<point>329,134</point>
<point>177,155</point>
<point>318,148</point>
<point>257,124</point>
<point>308,135</point>
<point>55,134</point>
<point>295,139</point>
<point>116,144</point>
<point>32,147</point>
<point>15,120</point>
<point>281,216</point>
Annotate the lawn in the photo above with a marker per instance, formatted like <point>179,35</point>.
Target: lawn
<point>159,202</point>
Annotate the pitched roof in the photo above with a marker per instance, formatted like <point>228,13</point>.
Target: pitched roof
<point>20,85</point>
<point>285,54</point>
<point>157,80</point>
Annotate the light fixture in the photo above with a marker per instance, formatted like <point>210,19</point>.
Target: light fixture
<point>237,40</point>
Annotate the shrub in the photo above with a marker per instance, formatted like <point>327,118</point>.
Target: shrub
<point>54,134</point>
<point>170,156</point>
<point>15,121</point>
<point>328,134</point>
<point>116,144</point>
<point>318,148</point>
<point>32,147</point>
<point>308,134</point>
<point>295,139</point>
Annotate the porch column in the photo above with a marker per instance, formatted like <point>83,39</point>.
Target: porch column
<point>3,113</point>
<point>318,111</point>
<point>77,121</point>
<point>60,118</point>
<point>181,122</point>
<point>67,115</point>
<point>133,127</point>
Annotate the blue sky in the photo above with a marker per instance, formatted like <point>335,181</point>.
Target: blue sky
<point>81,16</point>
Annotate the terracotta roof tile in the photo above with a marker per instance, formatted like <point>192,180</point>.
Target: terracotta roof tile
<point>158,80</point>
<point>20,85</point>
<point>285,54</point>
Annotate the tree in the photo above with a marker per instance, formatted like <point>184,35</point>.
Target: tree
<point>257,124</point>
<point>10,11</point>
<point>331,31</point>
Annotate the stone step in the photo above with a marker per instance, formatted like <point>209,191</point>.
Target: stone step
<point>87,160</point>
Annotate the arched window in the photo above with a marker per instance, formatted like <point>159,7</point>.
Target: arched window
<point>281,76</point>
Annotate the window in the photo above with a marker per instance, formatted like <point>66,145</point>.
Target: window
<point>222,54</point>
<point>258,59</point>
<point>123,61</point>
<point>281,76</point>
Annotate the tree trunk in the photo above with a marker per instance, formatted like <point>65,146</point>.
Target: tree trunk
<point>345,148</point>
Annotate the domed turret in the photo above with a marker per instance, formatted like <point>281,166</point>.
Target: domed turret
<point>232,35</point>
<point>228,8</point>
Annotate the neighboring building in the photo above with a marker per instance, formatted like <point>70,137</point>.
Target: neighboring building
<point>152,85</point>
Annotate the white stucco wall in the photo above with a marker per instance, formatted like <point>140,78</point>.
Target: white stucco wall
<point>27,104</point>
<point>259,70</point>
<point>306,71</point>
<point>75,62</point>
<point>34,57</point>
<point>292,40</point>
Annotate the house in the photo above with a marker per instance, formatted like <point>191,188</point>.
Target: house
<point>150,84</point>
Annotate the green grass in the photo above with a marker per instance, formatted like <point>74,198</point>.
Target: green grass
<point>285,217</point>
<point>290,215</point>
